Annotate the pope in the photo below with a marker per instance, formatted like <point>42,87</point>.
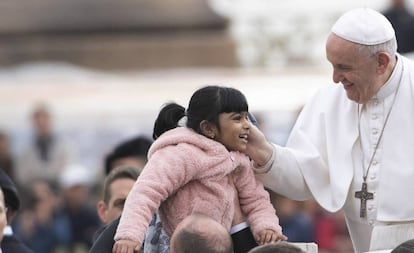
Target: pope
<point>352,147</point>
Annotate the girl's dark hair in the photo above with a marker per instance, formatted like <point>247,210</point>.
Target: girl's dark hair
<point>205,104</point>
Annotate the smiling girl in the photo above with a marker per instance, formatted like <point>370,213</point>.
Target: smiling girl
<point>196,165</point>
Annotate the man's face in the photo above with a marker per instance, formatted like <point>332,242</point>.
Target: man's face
<point>119,190</point>
<point>42,124</point>
<point>356,70</point>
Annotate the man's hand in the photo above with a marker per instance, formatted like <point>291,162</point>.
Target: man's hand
<point>258,148</point>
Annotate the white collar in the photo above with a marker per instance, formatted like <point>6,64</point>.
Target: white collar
<point>7,231</point>
<point>391,85</point>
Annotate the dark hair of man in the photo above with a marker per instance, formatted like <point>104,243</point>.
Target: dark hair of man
<point>10,192</point>
<point>405,247</point>
<point>202,242</point>
<point>136,147</point>
<point>115,174</point>
<point>40,109</point>
<point>278,247</point>
<point>205,104</point>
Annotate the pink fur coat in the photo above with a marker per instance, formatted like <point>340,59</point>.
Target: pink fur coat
<point>187,172</point>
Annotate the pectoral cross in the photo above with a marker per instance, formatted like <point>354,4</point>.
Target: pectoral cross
<point>364,195</point>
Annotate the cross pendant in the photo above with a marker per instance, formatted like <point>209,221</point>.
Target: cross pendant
<point>364,195</point>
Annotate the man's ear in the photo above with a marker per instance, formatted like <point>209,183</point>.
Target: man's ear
<point>10,215</point>
<point>383,60</point>
<point>101,209</point>
<point>208,129</point>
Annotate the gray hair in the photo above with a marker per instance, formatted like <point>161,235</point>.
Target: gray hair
<point>389,47</point>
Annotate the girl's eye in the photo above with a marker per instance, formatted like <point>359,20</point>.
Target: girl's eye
<point>237,117</point>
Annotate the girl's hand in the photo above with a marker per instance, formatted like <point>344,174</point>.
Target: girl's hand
<point>125,246</point>
<point>269,236</point>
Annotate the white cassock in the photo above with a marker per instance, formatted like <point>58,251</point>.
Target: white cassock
<point>323,159</point>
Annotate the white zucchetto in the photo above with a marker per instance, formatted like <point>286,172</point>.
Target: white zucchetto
<point>364,26</point>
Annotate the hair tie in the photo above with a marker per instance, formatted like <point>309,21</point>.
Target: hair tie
<point>183,121</point>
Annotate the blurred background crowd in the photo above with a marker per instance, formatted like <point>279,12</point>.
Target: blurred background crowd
<point>80,79</point>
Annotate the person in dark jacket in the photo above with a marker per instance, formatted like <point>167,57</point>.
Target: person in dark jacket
<point>11,243</point>
<point>3,221</point>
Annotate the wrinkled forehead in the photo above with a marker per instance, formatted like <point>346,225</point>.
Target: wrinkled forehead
<point>339,48</point>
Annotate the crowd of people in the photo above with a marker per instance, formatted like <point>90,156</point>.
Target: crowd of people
<point>209,180</point>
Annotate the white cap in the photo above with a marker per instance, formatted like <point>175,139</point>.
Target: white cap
<point>364,26</point>
<point>75,174</point>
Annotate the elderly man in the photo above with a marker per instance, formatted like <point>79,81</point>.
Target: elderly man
<point>352,145</point>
